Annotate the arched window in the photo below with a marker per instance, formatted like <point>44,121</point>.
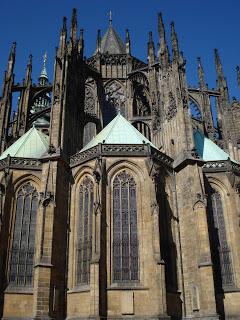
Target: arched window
<point>141,105</point>
<point>84,232</point>
<point>125,237</point>
<point>220,249</point>
<point>22,251</point>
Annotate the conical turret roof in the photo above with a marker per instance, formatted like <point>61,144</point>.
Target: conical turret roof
<point>118,131</point>
<point>33,144</point>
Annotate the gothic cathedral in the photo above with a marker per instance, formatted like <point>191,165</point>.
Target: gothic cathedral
<point>119,186</point>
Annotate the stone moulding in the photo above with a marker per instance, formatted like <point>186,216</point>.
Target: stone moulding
<point>118,150</point>
<point>221,166</point>
<point>20,163</point>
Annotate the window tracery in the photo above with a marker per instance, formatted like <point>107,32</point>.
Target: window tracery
<point>114,100</point>
<point>141,104</point>
<point>22,251</point>
<point>84,232</point>
<point>125,234</point>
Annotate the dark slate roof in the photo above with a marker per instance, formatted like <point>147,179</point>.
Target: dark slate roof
<point>112,43</point>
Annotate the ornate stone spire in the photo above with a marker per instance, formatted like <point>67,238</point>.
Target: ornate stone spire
<point>151,49</point>
<point>174,39</point>
<point>43,79</point>
<point>201,76</point>
<point>163,49</point>
<point>128,42</point>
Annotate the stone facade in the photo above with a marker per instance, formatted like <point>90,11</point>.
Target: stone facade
<point>120,231</point>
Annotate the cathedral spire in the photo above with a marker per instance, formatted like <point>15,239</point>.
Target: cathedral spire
<point>201,76</point>
<point>128,42</point>
<point>151,49</point>
<point>163,50</point>
<point>43,79</point>
<point>73,32</point>
<point>238,75</point>
<point>174,40</point>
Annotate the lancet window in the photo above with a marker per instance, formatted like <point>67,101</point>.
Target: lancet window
<point>125,233</point>
<point>219,237</point>
<point>84,232</point>
<point>22,251</point>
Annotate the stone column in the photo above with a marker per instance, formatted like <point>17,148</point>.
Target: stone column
<point>159,263</point>
<point>50,256</point>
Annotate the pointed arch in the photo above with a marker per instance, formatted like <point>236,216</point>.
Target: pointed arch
<point>115,100</point>
<point>141,101</point>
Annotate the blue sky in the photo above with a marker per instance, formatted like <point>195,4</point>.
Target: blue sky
<point>201,26</point>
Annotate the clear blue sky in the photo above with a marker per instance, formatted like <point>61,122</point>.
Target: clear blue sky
<point>202,25</point>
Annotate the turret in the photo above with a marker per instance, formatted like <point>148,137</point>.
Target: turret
<point>163,54</point>
<point>128,42</point>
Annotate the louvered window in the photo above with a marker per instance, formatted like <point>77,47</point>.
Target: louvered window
<point>84,232</point>
<point>125,237</point>
<point>220,238</point>
<point>22,251</point>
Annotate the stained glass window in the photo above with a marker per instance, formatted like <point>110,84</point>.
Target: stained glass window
<point>22,251</point>
<point>125,237</point>
<point>84,232</point>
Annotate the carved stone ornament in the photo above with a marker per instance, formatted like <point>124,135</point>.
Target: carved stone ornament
<point>155,208</point>
<point>46,198</point>
<point>172,107</point>
<point>114,59</point>
<point>141,102</point>
<point>89,103</point>
<point>156,107</point>
<point>115,96</point>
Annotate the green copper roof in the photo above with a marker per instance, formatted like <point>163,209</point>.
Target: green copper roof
<point>118,131</point>
<point>207,149</point>
<point>33,144</point>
